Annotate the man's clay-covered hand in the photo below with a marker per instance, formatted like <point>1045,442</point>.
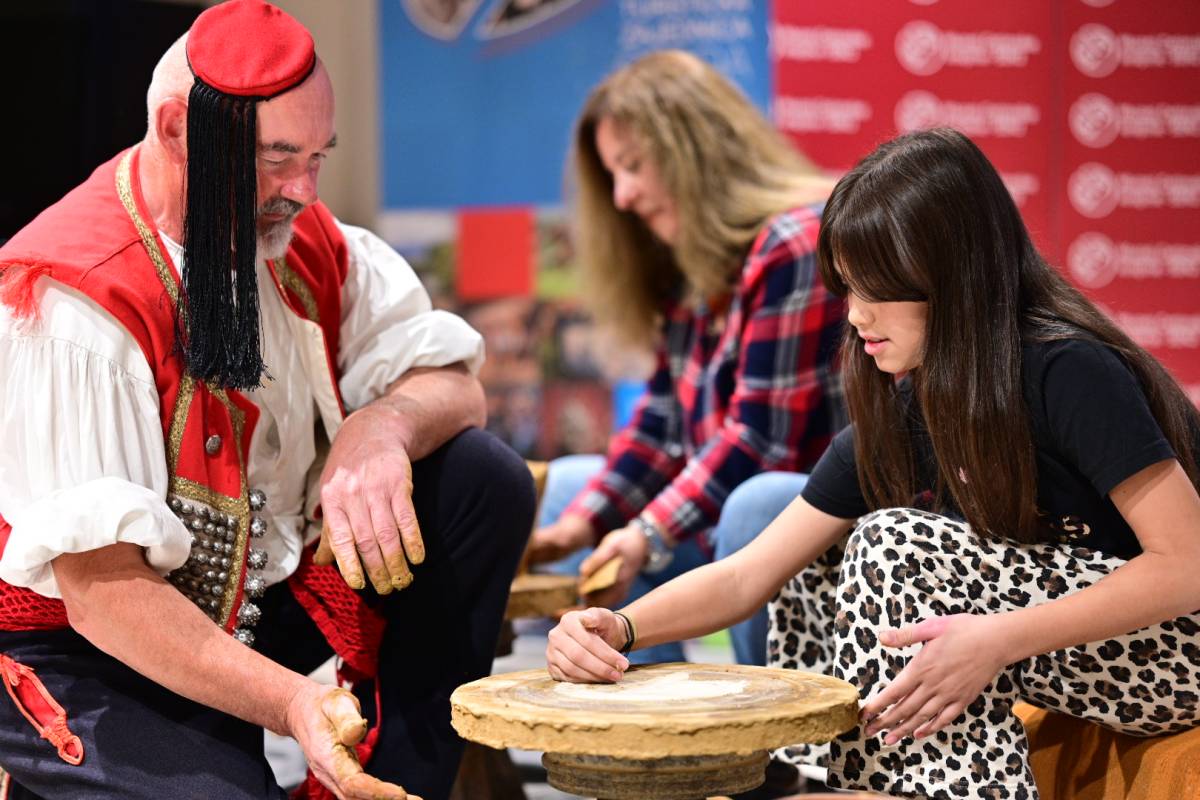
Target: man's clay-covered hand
<point>327,723</point>
<point>366,498</point>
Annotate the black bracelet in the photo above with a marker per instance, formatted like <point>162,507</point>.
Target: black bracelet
<point>630,636</point>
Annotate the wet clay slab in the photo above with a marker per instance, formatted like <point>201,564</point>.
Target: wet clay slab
<point>656,711</point>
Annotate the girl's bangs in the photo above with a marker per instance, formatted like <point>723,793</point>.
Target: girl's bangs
<point>865,256</point>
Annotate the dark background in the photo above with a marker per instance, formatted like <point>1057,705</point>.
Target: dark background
<point>75,77</point>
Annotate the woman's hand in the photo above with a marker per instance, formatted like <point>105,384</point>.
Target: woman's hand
<point>961,656</point>
<point>559,539</point>
<point>630,544</point>
<point>582,648</point>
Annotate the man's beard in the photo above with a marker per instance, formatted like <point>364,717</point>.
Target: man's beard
<point>275,237</point>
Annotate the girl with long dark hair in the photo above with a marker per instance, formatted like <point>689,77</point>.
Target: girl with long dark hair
<point>1019,486</point>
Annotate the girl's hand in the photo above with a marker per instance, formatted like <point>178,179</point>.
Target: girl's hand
<point>961,656</point>
<point>582,648</point>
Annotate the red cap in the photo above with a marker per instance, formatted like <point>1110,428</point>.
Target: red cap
<point>248,48</point>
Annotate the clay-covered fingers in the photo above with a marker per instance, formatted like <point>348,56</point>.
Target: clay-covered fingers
<point>578,648</point>
<point>337,534</point>
<point>405,517</point>
<point>353,521</point>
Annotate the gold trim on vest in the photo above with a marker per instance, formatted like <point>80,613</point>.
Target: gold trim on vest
<point>219,524</point>
<point>288,278</point>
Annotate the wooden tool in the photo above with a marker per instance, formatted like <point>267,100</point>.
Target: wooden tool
<point>602,578</point>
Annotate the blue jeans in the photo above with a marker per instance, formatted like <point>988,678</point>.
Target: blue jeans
<point>747,511</point>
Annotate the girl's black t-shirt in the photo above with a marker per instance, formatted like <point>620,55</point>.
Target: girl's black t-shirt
<point>1092,428</point>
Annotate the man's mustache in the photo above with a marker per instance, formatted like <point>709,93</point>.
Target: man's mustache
<point>281,205</point>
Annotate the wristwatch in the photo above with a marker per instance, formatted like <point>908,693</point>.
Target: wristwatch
<point>658,553</point>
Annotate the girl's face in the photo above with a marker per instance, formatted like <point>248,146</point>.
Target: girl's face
<point>637,186</point>
<point>893,333</point>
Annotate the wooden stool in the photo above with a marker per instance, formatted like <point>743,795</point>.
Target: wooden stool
<point>1073,759</point>
<point>665,731</point>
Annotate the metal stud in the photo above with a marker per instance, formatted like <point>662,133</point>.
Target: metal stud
<point>249,614</point>
<point>197,524</point>
<point>257,559</point>
<point>244,636</point>
<point>258,500</point>
<point>209,528</point>
<point>176,504</point>
<point>212,445</point>
<point>217,589</point>
<point>225,562</point>
<point>258,526</point>
<point>255,586</point>
<point>185,509</point>
<point>231,521</point>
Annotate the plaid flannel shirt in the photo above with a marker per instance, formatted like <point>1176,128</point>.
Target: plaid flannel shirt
<point>731,396</point>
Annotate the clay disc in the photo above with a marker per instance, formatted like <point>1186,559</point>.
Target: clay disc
<point>656,711</point>
<point>534,595</point>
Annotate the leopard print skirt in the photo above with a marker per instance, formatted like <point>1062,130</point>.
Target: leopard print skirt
<point>900,566</point>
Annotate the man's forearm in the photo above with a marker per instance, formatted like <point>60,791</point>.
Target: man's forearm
<point>433,405</point>
<point>120,605</point>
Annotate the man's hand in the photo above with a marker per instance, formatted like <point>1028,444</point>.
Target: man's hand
<point>559,539</point>
<point>629,543</point>
<point>366,498</point>
<point>582,648</point>
<point>961,656</point>
<point>327,723</point>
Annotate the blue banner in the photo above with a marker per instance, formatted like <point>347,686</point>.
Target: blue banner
<point>479,96</point>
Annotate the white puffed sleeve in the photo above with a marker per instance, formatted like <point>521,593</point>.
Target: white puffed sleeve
<point>388,324</point>
<point>82,459</point>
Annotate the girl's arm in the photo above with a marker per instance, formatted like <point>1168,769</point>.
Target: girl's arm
<point>583,647</point>
<point>962,653</point>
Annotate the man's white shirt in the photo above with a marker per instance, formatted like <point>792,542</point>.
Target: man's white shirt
<point>82,457</point>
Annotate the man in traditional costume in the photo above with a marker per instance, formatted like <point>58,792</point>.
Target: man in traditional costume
<point>179,338</point>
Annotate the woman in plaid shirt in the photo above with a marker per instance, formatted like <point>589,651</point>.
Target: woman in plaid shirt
<point>697,224</point>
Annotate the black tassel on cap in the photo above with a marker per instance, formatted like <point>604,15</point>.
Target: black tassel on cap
<point>217,326</point>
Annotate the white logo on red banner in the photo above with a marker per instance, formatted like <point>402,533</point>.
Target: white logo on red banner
<point>1092,260</point>
<point>1156,330</point>
<point>1095,50</point>
<point>1093,190</point>
<point>819,43</point>
<point>1021,185</point>
<point>918,110</point>
<point>922,48</point>
<point>821,114</point>
<point>1094,120</point>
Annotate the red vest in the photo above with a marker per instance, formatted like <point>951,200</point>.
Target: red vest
<point>101,241</point>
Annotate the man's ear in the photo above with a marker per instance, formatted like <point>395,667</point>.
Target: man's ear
<point>170,122</point>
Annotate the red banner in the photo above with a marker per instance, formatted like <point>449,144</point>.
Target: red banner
<point>1090,111</point>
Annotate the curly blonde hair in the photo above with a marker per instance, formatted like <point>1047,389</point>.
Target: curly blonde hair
<point>724,165</point>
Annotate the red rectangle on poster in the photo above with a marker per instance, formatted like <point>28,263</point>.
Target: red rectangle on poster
<point>495,253</point>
